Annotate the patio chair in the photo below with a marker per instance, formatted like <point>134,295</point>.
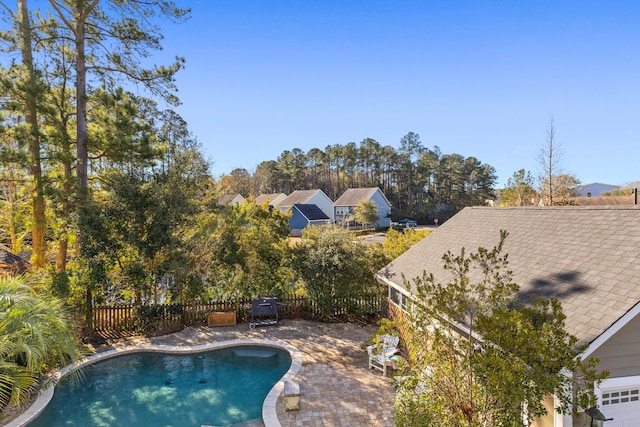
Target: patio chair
<point>264,311</point>
<point>380,354</point>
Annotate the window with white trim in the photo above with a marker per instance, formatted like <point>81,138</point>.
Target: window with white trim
<point>620,396</point>
<point>395,295</point>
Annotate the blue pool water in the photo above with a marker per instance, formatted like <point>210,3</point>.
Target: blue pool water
<point>218,387</point>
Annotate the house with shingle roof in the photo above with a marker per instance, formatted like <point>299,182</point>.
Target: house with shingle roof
<point>345,205</point>
<point>303,216</point>
<point>273,198</point>
<point>586,257</point>
<point>603,201</point>
<point>230,199</point>
<point>592,195</point>
<point>11,264</point>
<point>308,197</point>
<point>595,189</point>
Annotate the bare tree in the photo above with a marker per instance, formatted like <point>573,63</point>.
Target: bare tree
<point>549,158</point>
<point>554,186</point>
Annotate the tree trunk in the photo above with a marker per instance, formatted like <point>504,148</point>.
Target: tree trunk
<point>81,105</point>
<point>15,245</point>
<point>61,258</point>
<point>63,244</point>
<point>88,309</point>
<point>81,13</point>
<point>37,190</point>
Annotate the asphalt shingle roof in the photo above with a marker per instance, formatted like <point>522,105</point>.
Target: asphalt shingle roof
<point>587,257</point>
<point>10,261</point>
<point>353,196</point>
<point>273,198</point>
<point>228,198</point>
<point>7,257</point>
<point>298,197</point>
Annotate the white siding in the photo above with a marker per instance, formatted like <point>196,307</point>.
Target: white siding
<point>620,354</point>
<point>324,203</point>
<point>384,209</point>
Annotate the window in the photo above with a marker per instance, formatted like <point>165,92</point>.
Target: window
<point>395,296</point>
<point>407,304</point>
<point>621,396</point>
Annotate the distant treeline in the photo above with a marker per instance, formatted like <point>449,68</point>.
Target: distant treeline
<point>419,182</point>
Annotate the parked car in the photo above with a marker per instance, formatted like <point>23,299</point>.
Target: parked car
<point>407,223</point>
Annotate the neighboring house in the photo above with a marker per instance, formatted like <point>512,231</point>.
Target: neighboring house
<point>305,215</point>
<point>603,201</point>
<point>10,264</point>
<point>308,197</point>
<point>593,190</point>
<point>230,199</point>
<point>586,257</point>
<point>273,198</point>
<point>591,195</point>
<point>346,204</point>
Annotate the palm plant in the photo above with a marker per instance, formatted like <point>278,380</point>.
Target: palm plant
<point>35,335</point>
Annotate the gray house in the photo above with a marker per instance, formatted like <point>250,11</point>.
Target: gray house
<point>594,189</point>
<point>308,197</point>
<point>586,257</point>
<point>346,204</point>
<point>303,216</point>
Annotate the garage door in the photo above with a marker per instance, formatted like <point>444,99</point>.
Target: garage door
<point>622,404</point>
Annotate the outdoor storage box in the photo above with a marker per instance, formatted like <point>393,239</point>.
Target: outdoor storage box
<point>221,318</point>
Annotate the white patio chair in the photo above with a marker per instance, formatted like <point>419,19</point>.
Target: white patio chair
<point>380,354</point>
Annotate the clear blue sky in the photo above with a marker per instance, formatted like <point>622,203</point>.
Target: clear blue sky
<point>477,78</point>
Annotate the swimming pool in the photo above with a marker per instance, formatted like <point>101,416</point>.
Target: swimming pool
<point>220,387</point>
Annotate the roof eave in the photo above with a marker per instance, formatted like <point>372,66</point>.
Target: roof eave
<point>461,328</point>
<point>611,331</point>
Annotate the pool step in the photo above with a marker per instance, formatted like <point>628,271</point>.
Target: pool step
<point>292,395</point>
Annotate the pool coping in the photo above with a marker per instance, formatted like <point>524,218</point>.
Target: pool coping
<point>269,413</point>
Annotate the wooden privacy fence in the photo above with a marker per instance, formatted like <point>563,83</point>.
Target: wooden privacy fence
<point>166,317</point>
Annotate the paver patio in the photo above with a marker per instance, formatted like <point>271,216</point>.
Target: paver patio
<point>337,388</point>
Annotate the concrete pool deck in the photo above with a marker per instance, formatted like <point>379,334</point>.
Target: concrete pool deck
<point>336,388</point>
